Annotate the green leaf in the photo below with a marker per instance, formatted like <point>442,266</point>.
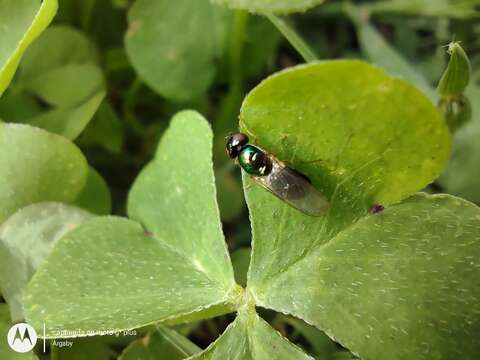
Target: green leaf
<point>457,75</point>
<point>22,21</point>
<point>250,337</point>
<point>270,6</point>
<point>376,48</point>
<point>69,122</point>
<point>178,270</point>
<point>95,196</point>
<point>361,136</point>
<point>449,8</point>
<point>164,343</point>
<point>179,65</point>
<point>60,69</point>
<point>37,166</point>
<point>321,344</point>
<point>6,353</point>
<point>400,284</point>
<point>105,130</point>
<point>59,46</point>
<point>167,201</point>
<point>230,197</point>
<point>68,85</point>
<point>26,239</point>
<point>293,38</point>
<point>18,107</point>
<point>241,262</point>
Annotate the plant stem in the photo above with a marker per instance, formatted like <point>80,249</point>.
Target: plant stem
<point>129,107</point>
<point>293,38</point>
<point>87,14</point>
<point>227,114</point>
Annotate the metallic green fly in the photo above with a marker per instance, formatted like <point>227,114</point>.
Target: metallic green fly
<point>286,183</point>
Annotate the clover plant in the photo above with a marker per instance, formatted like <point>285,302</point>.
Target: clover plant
<point>389,271</point>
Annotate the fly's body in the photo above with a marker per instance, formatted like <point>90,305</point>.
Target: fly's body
<point>286,183</point>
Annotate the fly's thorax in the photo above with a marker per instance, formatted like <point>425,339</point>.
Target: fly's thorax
<point>255,161</point>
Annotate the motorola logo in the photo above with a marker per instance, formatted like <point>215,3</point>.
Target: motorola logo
<point>22,337</point>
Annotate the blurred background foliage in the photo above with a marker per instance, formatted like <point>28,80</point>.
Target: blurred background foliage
<point>109,74</point>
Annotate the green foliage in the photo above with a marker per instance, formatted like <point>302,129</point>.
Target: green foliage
<point>178,65</point>
<point>451,8</point>
<point>269,6</point>
<point>377,49</point>
<point>60,69</point>
<point>26,239</point>
<point>162,343</point>
<point>22,21</point>
<point>349,135</point>
<point>115,258</point>
<point>250,337</point>
<point>59,168</point>
<point>95,195</point>
<point>386,273</point>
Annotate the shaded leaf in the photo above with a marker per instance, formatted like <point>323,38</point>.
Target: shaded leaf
<point>105,129</point>
<point>450,8</point>
<point>230,197</point>
<point>241,262</point>
<point>269,6</point>
<point>177,65</point>
<point>22,21</point>
<point>18,107</point>
<point>69,122</point>
<point>164,343</point>
<point>250,337</point>
<point>37,166</point>
<point>321,344</point>
<point>26,239</point>
<point>60,69</point>
<point>95,196</point>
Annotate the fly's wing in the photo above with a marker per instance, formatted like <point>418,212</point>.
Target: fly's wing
<point>293,188</point>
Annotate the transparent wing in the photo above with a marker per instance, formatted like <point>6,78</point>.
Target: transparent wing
<point>293,188</point>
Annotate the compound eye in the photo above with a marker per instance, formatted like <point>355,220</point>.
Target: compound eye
<point>235,144</point>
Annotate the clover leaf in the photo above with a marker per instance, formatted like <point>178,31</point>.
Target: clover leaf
<point>61,69</point>
<point>178,65</point>
<point>22,21</point>
<point>176,268</point>
<point>355,275</point>
<point>26,238</point>
<point>53,169</point>
<point>396,283</point>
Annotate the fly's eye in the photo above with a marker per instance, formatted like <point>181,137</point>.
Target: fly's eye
<point>235,144</point>
<point>254,161</point>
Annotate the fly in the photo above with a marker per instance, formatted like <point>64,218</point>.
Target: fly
<point>286,183</point>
